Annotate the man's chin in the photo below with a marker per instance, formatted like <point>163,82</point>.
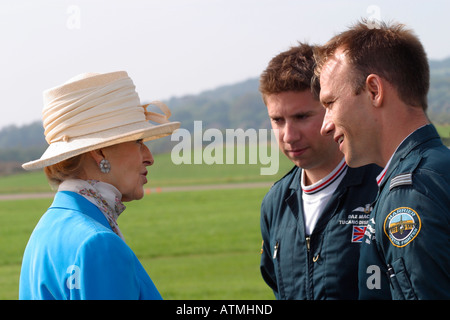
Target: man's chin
<point>354,162</point>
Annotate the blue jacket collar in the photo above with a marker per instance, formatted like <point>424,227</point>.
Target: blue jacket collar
<point>73,201</point>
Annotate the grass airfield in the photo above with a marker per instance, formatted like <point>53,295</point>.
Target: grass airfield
<point>195,243</point>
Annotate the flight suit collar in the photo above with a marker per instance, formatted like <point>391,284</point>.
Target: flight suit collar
<point>348,181</point>
<point>418,137</point>
<point>293,198</point>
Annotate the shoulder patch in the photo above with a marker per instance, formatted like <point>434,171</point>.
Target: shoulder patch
<point>401,180</point>
<point>401,226</point>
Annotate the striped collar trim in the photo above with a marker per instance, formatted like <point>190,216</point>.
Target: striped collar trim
<point>380,177</point>
<point>325,182</point>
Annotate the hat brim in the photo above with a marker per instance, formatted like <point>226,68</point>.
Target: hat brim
<point>62,150</point>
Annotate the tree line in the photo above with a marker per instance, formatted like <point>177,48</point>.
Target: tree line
<point>232,106</point>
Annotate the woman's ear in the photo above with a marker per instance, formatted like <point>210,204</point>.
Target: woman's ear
<point>97,155</point>
<point>375,89</point>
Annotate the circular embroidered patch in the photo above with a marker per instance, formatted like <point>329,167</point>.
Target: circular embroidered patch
<point>401,226</point>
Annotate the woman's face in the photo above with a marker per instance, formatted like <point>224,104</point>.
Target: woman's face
<point>129,161</point>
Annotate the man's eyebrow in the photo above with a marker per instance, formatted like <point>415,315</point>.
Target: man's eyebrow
<point>274,115</point>
<point>303,113</point>
<point>326,98</point>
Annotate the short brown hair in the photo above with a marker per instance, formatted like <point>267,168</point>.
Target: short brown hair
<point>291,70</point>
<point>391,51</point>
<point>66,169</point>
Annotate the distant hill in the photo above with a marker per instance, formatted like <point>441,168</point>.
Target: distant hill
<point>439,94</point>
<point>232,106</point>
<point>440,67</point>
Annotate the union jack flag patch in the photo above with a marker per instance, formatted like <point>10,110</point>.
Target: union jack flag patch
<point>358,233</point>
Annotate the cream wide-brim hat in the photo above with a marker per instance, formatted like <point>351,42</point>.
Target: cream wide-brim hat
<point>93,111</point>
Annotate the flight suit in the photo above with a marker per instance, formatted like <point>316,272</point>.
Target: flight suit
<point>323,265</point>
<point>406,249</point>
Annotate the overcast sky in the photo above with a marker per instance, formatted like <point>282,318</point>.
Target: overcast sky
<point>176,47</point>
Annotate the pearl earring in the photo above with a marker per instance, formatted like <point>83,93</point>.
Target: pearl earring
<point>105,166</point>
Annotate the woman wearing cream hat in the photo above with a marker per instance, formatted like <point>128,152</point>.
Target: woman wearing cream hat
<point>97,159</point>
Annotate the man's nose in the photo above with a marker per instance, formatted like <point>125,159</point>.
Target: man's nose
<point>291,133</point>
<point>327,125</point>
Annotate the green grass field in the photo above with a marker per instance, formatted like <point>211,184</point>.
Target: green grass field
<point>162,174</point>
<point>443,130</point>
<point>194,244</point>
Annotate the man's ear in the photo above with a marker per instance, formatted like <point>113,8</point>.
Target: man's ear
<point>375,89</point>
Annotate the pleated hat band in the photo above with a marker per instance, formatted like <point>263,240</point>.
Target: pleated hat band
<point>95,109</point>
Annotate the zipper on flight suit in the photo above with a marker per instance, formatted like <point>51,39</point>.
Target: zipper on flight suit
<point>275,252</point>
<point>308,243</point>
<point>313,257</point>
<point>309,287</point>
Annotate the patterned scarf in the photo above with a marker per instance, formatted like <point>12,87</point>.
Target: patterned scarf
<point>103,195</point>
